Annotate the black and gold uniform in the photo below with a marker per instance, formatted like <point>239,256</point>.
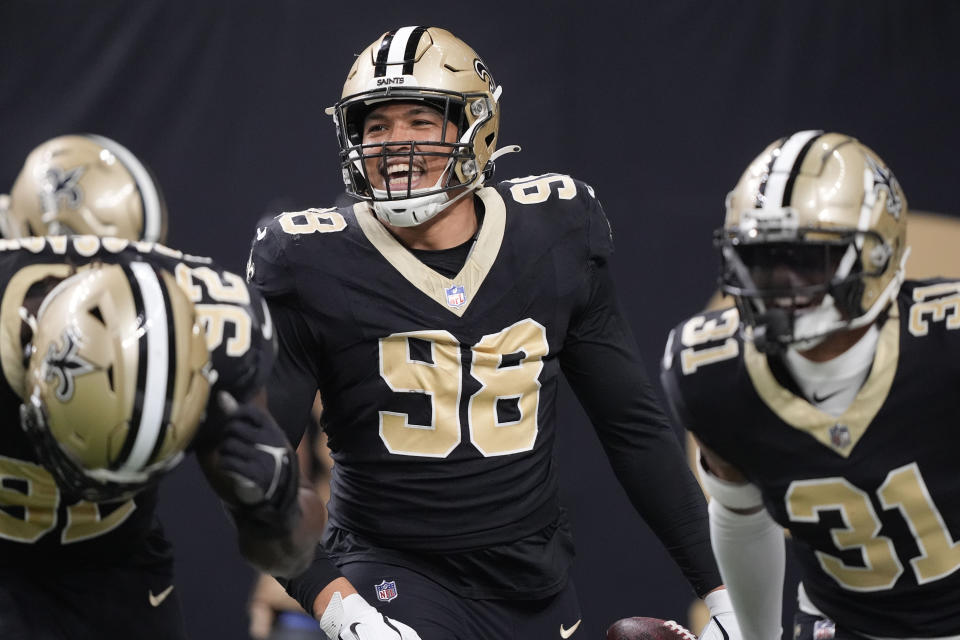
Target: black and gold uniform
<point>439,372</point>
<point>76,569</point>
<point>870,497</point>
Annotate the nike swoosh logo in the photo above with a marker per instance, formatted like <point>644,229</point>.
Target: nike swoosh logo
<point>267,321</point>
<point>818,399</point>
<point>566,633</point>
<point>157,600</point>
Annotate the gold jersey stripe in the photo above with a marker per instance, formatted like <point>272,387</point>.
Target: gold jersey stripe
<point>432,284</point>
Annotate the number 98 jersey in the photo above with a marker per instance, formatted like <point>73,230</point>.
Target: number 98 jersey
<point>871,497</point>
<point>438,392</point>
<point>38,527</point>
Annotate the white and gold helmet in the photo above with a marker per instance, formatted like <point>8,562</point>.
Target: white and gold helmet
<point>430,65</point>
<point>116,383</point>
<point>814,240</point>
<point>84,184</point>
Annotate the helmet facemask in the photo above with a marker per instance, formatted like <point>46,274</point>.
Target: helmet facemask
<point>73,480</point>
<point>359,159</point>
<point>814,240</point>
<point>794,286</point>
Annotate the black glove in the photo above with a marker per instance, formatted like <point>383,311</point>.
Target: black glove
<point>262,466</point>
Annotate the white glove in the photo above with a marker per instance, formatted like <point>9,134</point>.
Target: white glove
<point>352,618</point>
<point>723,622</point>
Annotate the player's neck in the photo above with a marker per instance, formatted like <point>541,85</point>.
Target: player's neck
<point>834,345</point>
<point>451,228</point>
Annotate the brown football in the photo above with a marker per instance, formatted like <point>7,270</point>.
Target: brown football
<point>648,629</point>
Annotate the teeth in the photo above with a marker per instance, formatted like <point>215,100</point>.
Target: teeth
<point>801,301</point>
<point>403,167</point>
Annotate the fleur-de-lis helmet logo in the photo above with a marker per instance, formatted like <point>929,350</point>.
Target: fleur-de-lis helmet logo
<point>60,186</point>
<point>63,363</point>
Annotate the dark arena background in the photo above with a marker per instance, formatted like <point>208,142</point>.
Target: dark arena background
<point>658,105</point>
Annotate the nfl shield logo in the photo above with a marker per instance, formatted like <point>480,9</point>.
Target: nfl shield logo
<point>456,296</point>
<point>386,591</point>
<point>824,629</point>
<point>840,436</point>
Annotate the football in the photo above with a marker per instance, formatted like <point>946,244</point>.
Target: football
<point>648,629</point>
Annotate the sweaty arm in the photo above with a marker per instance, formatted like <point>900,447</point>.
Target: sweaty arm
<point>602,363</point>
<point>749,547</point>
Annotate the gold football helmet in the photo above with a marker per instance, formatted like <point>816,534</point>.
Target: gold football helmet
<point>116,380</point>
<point>427,65</point>
<point>85,184</point>
<point>814,239</point>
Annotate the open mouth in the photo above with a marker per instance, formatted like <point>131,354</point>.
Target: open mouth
<point>795,302</point>
<point>399,176</point>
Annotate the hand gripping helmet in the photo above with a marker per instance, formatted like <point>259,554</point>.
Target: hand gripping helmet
<point>432,66</point>
<point>116,383</point>
<point>814,240</point>
<point>85,184</point>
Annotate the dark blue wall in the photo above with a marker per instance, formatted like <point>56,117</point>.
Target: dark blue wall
<point>659,105</point>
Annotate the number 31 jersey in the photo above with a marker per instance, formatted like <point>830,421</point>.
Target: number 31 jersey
<point>39,526</point>
<point>872,498</point>
<point>438,393</point>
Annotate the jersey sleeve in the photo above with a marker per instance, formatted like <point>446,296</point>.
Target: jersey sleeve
<point>267,267</point>
<point>696,360</point>
<point>293,383</point>
<point>599,231</point>
<point>671,383</point>
<point>238,327</point>
<point>244,374</point>
<point>601,361</point>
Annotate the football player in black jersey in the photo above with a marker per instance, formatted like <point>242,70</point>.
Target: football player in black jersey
<point>435,315</point>
<point>117,358</point>
<point>825,401</point>
<point>113,375</point>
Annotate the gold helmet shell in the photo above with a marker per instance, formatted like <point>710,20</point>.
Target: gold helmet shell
<point>116,380</point>
<point>818,189</point>
<point>425,64</point>
<point>85,184</point>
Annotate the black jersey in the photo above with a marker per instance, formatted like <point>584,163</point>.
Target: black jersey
<point>439,393</point>
<point>37,526</point>
<point>871,498</point>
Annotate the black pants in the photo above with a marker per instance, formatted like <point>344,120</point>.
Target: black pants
<point>436,613</point>
<point>97,604</point>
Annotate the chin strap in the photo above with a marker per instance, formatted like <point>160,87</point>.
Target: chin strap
<point>812,328</point>
<point>410,212</point>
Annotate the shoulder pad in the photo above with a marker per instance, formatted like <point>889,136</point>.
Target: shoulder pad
<point>927,304</point>
<point>579,198</point>
<point>269,266</point>
<point>702,340</point>
<point>237,324</point>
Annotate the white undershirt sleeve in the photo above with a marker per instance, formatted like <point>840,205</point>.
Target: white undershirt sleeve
<point>750,552</point>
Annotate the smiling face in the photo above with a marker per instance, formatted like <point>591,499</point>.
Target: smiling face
<point>404,163</point>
